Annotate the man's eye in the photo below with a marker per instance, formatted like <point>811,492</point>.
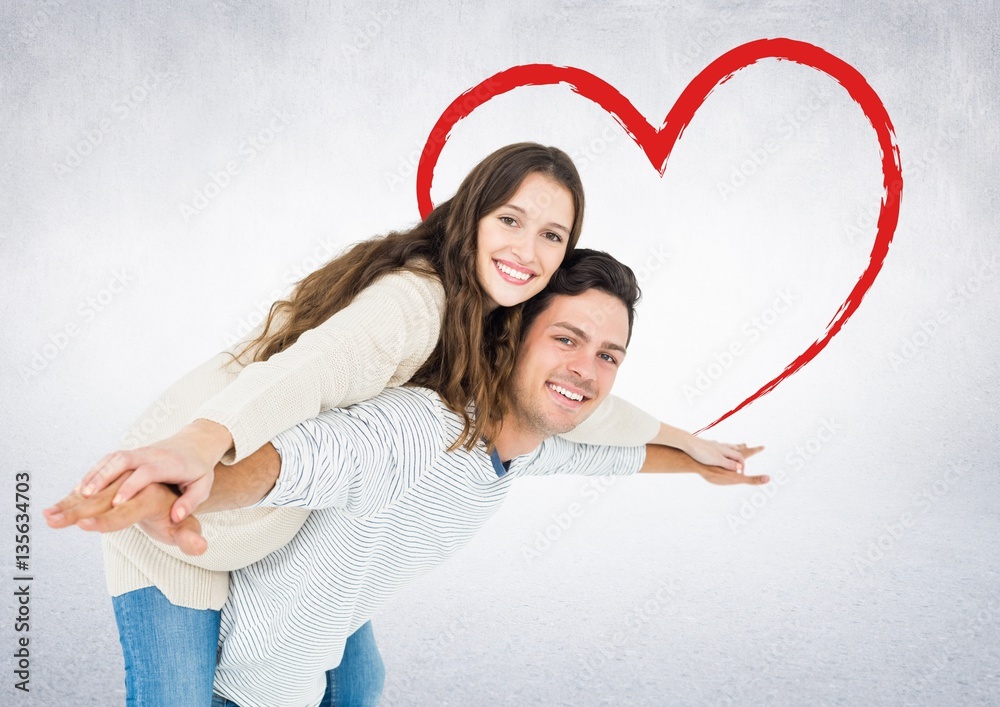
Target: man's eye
<point>564,340</point>
<point>609,358</point>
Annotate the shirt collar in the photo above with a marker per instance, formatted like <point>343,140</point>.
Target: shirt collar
<point>498,466</point>
<point>501,469</point>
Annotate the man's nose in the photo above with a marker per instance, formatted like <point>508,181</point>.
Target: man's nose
<point>583,365</point>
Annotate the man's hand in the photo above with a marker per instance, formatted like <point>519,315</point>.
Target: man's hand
<point>149,508</point>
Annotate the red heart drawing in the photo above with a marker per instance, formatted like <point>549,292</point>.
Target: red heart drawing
<point>657,143</point>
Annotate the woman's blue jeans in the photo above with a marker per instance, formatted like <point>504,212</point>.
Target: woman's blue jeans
<point>170,654</point>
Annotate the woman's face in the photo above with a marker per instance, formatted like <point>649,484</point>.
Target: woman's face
<point>523,242</point>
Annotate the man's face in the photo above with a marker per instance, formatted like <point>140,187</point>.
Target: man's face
<point>568,361</point>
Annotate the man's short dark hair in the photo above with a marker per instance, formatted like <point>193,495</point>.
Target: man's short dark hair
<point>585,269</point>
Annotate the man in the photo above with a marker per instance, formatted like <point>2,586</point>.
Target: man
<point>392,502</point>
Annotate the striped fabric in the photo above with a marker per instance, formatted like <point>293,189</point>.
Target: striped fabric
<point>392,505</point>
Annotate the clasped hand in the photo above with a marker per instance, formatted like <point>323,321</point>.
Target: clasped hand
<point>722,476</point>
<point>150,508</point>
<point>186,458</point>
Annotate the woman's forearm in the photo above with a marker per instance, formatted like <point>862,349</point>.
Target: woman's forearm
<point>675,437</point>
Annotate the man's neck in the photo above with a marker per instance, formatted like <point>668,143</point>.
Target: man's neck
<point>514,440</point>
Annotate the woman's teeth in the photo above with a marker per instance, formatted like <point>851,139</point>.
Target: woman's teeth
<point>562,391</point>
<point>511,271</point>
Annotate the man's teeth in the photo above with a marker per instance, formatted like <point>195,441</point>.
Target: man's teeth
<point>562,391</point>
<point>511,271</point>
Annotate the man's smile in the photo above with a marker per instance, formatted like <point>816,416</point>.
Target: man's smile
<point>567,395</point>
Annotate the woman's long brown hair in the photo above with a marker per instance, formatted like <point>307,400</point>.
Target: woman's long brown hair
<point>475,355</point>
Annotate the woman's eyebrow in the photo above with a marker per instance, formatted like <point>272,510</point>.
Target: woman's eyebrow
<point>550,224</point>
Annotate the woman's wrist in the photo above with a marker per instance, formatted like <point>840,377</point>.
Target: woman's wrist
<point>210,437</point>
<point>675,437</point>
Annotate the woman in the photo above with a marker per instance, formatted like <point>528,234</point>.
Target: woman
<point>412,305</point>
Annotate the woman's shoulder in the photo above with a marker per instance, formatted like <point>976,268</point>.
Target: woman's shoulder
<point>417,278</point>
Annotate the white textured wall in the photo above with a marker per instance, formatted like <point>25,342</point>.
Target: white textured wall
<point>662,591</point>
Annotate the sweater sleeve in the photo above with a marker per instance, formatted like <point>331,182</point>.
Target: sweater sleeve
<point>615,423</point>
<point>387,332</point>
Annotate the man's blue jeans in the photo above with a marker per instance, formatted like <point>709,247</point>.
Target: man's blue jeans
<point>170,654</point>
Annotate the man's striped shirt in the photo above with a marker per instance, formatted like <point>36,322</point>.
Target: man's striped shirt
<point>392,504</point>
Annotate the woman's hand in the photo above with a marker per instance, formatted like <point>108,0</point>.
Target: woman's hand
<point>721,454</point>
<point>149,508</point>
<point>705,451</point>
<point>186,459</point>
<point>717,474</point>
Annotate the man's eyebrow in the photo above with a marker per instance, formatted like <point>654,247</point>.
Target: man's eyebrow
<point>550,224</point>
<point>609,345</point>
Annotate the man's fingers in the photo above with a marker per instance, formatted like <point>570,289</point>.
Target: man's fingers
<point>194,495</point>
<point>727,478</point>
<point>56,518</point>
<point>89,508</point>
<point>74,506</point>
<point>188,537</point>
<point>113,519</point>
<point>146,504</point>
<point>190,543</point>
<point>105,471</point>
<point>58,509</point>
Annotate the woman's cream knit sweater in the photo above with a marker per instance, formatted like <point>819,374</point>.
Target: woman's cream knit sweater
<point>380,340</point>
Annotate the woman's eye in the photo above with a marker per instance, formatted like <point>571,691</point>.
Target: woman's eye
<point>554,237</point>
<point>507,220</point>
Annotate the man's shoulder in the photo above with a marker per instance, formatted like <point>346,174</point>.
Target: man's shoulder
<point>404,396</point>
<point>404,416</point>
<point>406,407</point>
<point>549,448</point>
